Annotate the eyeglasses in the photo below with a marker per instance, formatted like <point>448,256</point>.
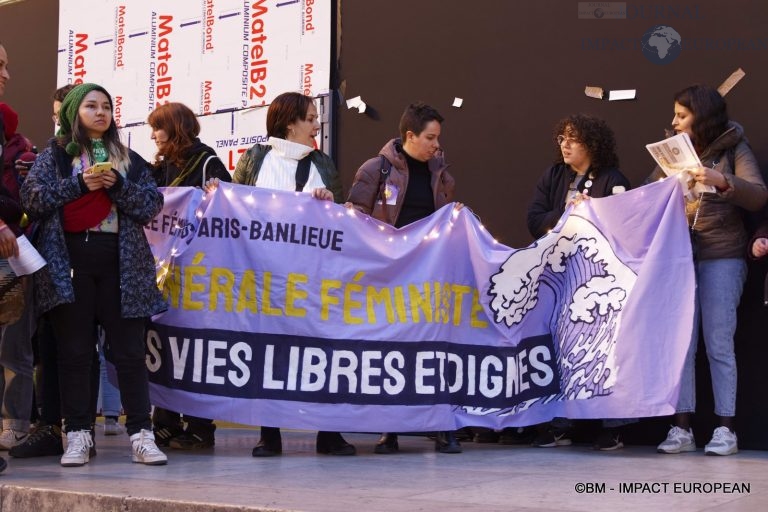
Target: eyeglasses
<point>562,139</point>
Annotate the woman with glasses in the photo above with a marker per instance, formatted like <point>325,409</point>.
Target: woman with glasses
<point>586,166</point>
<point>719,240</point>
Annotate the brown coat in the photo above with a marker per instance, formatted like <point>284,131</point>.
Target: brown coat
<point>367,188</point>
<point>720,225</point>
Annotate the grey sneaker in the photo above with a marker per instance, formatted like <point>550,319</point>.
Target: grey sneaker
<point>678,440</point>
<point>111,426</point>
<point>78,449</point>
<point>10,438</point>
<point>723,442</point>
<point>145,451</point>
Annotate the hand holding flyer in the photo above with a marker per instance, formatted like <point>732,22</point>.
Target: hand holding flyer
<point>675,155</point>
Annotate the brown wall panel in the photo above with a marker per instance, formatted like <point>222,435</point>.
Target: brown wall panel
<point>521,66</point>
<point>29,32</point>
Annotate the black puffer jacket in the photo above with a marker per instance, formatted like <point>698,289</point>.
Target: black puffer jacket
<point>548,203</point>
<point>196,157</point>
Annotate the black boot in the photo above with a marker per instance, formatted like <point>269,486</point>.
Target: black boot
<point>446,442</point>
<point>331,443</point>
<point>270,444</point>
<point>387,444</point>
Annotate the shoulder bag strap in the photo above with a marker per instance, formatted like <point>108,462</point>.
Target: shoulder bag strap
<point>187,169</point>
<point>302,172</point>
<point>205,165</point>
<point>385,168</point>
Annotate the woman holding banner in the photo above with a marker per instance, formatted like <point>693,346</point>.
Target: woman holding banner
<point>406,182</point>
<point>719,237</point>
<point>586,166</point>
<point>92,197</point>
<point>289,161</point>
<point>182,160</point>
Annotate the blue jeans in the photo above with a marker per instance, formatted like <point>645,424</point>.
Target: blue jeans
<point>16,366</point>
<point>109,395</point>
<point>718,291</point>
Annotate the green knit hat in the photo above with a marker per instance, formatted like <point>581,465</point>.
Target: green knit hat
<point>68,113</point>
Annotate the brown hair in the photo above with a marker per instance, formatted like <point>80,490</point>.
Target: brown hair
<point>284,110</point>
<point>181,125</point>
<point>61,92</point>
<point>416,117</point>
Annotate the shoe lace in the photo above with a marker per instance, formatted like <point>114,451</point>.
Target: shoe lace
<point>145,444</point>
<point>39,434</point>
<point>720,435</point>
<point>676,433</point>
<point>78,441</point>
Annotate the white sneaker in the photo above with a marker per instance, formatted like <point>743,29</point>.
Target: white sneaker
<point>144,449</point>
<point>723,443</point>
<point>111,427</point>
<point>678,440</point>
<point>78,448</point>
<point>10,438</point>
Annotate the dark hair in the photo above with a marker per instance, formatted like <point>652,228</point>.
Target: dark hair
<point>710,113</point>
<point>110,137</point>
<point>284,110</point>
<point>61,92</point>
<point>596,136</point>
<point>182,127</point>
<point>416,117</point>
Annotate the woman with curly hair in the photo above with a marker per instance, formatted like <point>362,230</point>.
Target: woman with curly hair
<point>586,166</point>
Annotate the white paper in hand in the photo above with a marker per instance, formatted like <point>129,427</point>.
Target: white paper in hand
<point>28,261</point>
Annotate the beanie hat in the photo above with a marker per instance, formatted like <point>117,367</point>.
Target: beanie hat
<point>10,120</point>
<point>68,113</point>
<point>26,159</point>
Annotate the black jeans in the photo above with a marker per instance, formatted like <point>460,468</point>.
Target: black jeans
<point>48,375</point>
<point>96,282</point>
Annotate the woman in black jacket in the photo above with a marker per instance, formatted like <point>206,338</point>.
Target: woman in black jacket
<point>586,166</point>
<point>182,160</point>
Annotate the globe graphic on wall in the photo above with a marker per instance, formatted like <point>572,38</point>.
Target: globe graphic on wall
<point>661,44</point>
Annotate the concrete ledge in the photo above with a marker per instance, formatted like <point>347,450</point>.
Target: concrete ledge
<point>17,498</point>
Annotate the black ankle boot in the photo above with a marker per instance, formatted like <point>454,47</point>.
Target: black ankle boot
<point>387,444</point>
<point>331,443</point>
<point>270,444</point>
<point>446,442</point>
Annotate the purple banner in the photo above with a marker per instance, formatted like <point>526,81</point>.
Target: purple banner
<point>293,312</point>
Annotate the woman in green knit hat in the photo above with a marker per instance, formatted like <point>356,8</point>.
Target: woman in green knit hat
<point>92,197</point>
